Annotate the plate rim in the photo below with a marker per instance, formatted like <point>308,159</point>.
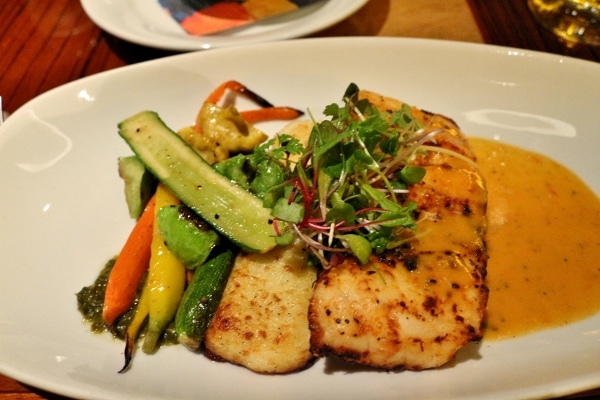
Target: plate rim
<point>499,50</point>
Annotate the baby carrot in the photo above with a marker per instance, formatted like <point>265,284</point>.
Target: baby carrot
<point>270,114</point>
<point>129,268</point>
<point>234,86</point>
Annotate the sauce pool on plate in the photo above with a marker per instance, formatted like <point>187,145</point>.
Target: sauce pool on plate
<point>543,241</point>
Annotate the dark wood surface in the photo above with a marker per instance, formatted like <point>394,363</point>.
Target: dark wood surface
<point>46,43</point>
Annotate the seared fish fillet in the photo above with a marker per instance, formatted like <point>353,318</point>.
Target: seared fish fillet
<point>415,306</point>
<point>262,321</point>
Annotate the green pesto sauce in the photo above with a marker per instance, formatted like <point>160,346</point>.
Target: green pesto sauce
<point>90,301</point>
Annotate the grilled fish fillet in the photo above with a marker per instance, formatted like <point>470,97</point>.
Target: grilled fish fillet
<point>262,319</point>
<point>415,306</point>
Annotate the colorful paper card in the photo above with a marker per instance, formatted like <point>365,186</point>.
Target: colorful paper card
<point>203,17</point>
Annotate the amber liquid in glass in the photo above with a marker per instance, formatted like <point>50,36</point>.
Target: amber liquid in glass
<point>576,21</point>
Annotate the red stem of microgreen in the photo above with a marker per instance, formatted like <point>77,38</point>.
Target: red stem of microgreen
<point>369,209</point>
<point>358,226</point>
<point>276,226</point>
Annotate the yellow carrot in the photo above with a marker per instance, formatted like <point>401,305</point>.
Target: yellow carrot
<point>133,330</point>
<point>130,267</point>
<point>166,279</point>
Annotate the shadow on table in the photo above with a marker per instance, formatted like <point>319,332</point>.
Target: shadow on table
<point>132,53</point>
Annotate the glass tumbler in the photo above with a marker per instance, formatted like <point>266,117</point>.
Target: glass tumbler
<point>576,21</point>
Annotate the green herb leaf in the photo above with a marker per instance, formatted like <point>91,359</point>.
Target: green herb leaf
<point>289,212</point>
<point>360,247</point>
<point>269,174</point>
<point>341,212</point>
<point>285,238</point>
<point>412,174</point>
<point>346,192</point>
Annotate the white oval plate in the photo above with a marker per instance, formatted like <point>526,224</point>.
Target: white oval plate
<point>144,22</point>
<point>62,210</point>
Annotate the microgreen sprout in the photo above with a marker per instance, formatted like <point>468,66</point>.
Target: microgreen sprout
<point>344,192</point>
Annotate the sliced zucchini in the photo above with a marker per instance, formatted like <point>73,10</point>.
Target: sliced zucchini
<point>201,299</point>
<point>231,210</point>
<point>140,184</point>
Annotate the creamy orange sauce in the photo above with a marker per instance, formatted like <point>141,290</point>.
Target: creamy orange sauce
<point>543,241</point>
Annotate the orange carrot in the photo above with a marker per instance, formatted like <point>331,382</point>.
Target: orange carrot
<point>129,268</point>
<point>270,114</point>
<point>218,93</point>
<point>238,88</point>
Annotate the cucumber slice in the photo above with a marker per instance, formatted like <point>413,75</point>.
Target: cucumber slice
<point>231,210</point>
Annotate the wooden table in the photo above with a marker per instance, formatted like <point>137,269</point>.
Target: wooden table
<point>46,43</point>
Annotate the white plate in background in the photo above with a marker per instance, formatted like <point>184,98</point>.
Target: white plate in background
<point>145,22</point>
